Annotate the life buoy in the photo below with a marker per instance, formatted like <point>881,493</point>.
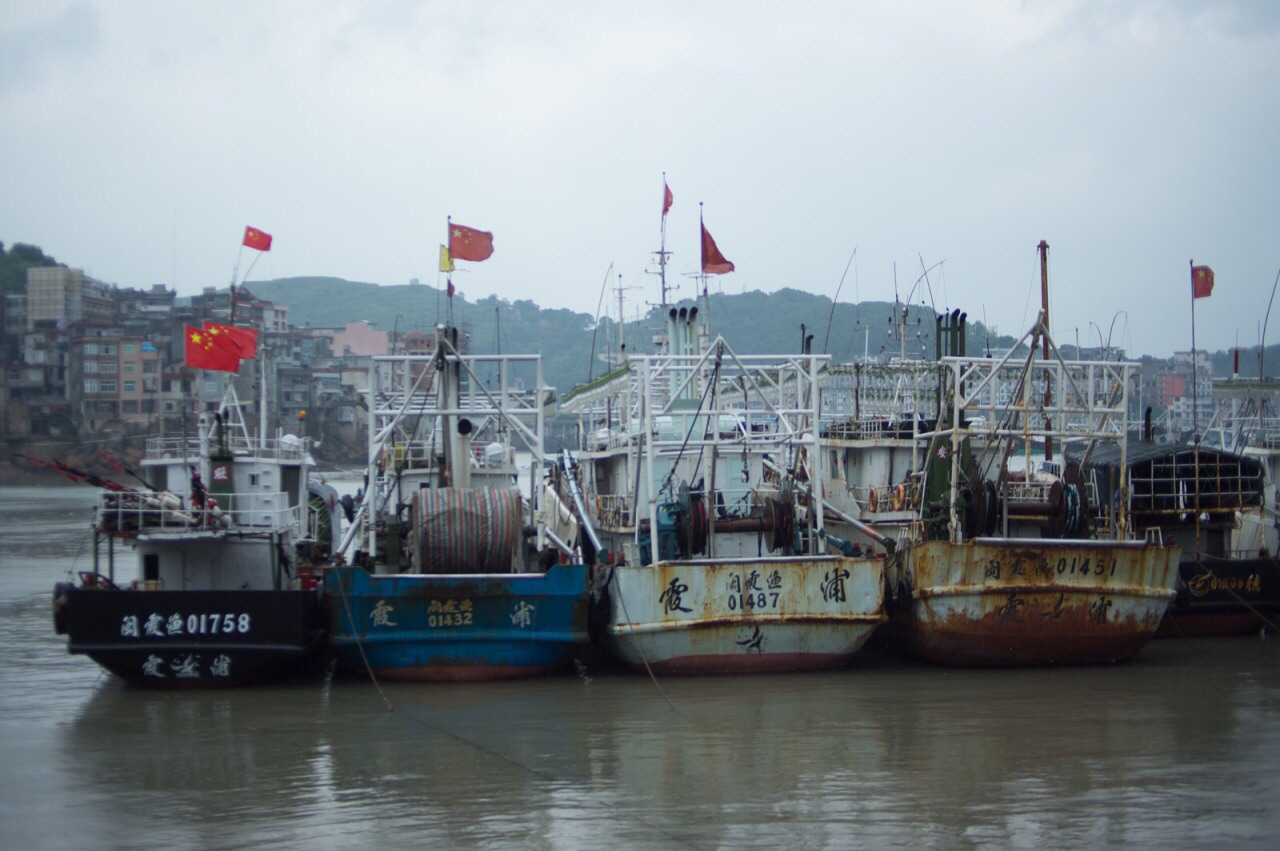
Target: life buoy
<point>899,497</point>
<point>873,500</point>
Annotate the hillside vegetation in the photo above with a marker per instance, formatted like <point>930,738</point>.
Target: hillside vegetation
<point>752,323</point>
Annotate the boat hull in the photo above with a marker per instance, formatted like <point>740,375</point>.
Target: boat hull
<point>191,639</point>
<point>1224,597</point>
<point>1009,602</point>
<point>456,628</point>
<point>742,616</point>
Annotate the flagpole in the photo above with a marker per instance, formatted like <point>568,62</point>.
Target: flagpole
<point>448,231</point>
<point>1195,407</point>
<point>662,246</point>
<point>702,269</point>
<point>262,407</point>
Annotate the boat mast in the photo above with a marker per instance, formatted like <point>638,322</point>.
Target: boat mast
<point>1043,249</point>
<point>662,243</point>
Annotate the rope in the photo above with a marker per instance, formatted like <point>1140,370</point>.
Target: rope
<point>1242,600</point>
<point>360,644</point>
<point>636,644</point>
<point>548,777</point>
<point>685,444</point>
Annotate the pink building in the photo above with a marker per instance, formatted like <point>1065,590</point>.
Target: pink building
<point>359,338</point>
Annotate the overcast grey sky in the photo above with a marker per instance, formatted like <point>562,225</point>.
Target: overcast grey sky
<point>140,138</point>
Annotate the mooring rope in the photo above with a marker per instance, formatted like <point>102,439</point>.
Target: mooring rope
<point>631,627</point>
<point>360,644</point>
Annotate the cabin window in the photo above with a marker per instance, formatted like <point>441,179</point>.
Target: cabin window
<point>253,480</point>
<point>834,465</point>
<point>151,566</point>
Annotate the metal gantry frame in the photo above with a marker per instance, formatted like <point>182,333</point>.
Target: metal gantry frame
<point>409,399</point>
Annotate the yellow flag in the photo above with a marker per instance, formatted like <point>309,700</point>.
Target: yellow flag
<point>446,262</point>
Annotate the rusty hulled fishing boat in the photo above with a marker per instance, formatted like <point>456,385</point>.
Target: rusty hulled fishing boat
<point>689,491</point>
<point>224,536</point>
<point>450,574</point>
<point>1006,556</point>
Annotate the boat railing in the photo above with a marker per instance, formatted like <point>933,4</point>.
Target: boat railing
<point>884,498</point>
<point>415,455</point>
<point>1017,492</point>
<point>131,513</point>
<point>287,448</point>
<point>1154,535</point>
<point>614,510</point>
<point>861,429</point>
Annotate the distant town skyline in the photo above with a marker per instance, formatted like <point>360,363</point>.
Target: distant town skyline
<point>838,149</point>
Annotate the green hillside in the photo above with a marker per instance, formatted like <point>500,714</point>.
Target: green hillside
<point>752,323</point>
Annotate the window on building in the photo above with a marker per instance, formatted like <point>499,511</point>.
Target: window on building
<point>90,348</point>
<point>129,406</point>
<point>211,387</point>
<point>166,385</point>
<point>91,366</point>
<point>148,367</point>
<point>130,348</point>
<point>107,386</point>
<point>108,348</point>
<point>91,385</point>
<point>130,366</point>
<point>107,366</point>
<point>131,387</point>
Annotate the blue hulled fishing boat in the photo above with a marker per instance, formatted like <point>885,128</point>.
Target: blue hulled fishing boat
<point>451,572</point>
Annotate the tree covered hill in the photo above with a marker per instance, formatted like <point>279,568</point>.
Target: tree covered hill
<point>752,323</point>
<point>15,262</point>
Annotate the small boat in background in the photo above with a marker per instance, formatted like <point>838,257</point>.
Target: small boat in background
<point>1217,499</point>
<point>450,573</point>
<point>222,590</point>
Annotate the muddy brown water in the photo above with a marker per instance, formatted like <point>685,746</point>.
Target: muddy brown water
<point>1178,748</point>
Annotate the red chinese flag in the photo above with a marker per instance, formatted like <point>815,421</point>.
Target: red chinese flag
<point>451,289</point>
<point>205,352</point>
<point>667,197</point>
<point>243,340</point>
<point>1201,282</point>
<point>713,262</point>
<point>254,238</point>
<point>469,244</point>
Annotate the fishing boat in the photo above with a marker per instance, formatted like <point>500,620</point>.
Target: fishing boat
<point>448,571</point>
<point>226,531</point>
<point>1216,496</point>
<point>691,490</point>
<point>1007,553</point>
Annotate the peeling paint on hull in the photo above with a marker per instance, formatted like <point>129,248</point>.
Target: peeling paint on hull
<point>743,616</point>
<point>993,602</point>
<point>457,628</point>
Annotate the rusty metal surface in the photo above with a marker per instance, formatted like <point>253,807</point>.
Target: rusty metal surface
<point>1018,602</point>
<point>744,615</point>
